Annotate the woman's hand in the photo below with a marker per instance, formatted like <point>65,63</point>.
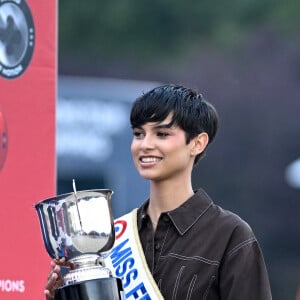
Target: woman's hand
<point>55,279</point>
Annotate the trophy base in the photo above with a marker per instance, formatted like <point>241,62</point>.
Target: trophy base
<point>96,289</point>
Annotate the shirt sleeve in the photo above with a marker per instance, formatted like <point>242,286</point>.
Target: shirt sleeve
<point>243,273</point>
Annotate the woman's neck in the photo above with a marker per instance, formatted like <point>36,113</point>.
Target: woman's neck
<point>165,196</point>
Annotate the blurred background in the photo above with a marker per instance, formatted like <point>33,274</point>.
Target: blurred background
<point>243,56</point>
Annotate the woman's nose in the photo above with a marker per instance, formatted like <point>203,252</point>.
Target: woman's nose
<point>147,142</point>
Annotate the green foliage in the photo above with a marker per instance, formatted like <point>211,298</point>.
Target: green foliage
<point>135,29</point>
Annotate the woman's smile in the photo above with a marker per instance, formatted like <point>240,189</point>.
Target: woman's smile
<point>150,159</point>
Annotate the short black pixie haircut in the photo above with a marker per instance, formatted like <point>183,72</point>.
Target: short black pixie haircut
<point>191,112</point>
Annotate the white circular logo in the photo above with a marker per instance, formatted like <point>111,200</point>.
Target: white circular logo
<point>17,38</point>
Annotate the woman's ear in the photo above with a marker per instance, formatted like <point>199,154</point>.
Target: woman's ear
<point>199,143</point>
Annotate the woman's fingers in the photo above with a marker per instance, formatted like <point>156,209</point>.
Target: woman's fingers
<point>54,280</point>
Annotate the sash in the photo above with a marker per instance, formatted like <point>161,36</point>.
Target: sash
<point>126,260</point>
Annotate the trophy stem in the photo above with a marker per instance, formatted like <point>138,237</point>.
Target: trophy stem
<point>86,267</point>
<point>86,260</point>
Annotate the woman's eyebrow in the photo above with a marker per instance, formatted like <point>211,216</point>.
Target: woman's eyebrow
<point>163,126</point>
<point>155,126</point>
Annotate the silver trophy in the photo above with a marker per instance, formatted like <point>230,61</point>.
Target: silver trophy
<point>79,226</point>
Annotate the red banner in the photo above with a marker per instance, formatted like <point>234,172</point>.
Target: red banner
<point>28,75</point>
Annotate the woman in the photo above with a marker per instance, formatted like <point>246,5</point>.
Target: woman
<point>194,249</point>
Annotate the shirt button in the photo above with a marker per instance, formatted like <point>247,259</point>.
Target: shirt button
<point>157,246</point>
<point>166,218</point>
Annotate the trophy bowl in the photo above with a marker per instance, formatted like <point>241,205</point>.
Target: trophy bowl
<point>79,227</point>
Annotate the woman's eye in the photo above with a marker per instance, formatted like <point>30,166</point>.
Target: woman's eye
<point>162,134</point>
<point>138,134</point>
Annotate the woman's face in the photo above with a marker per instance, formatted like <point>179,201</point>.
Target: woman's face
<point>160,151</point>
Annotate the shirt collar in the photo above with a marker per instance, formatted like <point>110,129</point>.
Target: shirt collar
<point>142,214</point>
<point>184,216</point>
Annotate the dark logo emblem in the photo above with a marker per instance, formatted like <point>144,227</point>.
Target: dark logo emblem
<point>3,140</point>
<point>16,37</point>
